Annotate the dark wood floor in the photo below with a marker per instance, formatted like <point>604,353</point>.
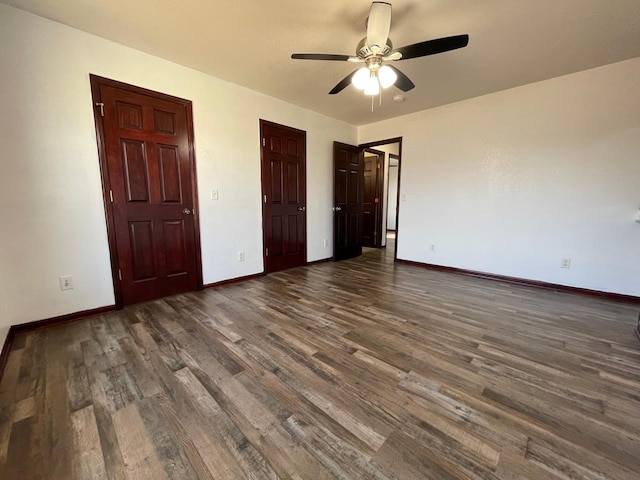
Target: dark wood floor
<point>358,369</point>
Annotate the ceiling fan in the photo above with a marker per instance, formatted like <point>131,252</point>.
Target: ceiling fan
<point>376,50</point>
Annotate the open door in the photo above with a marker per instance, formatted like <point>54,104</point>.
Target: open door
<point>348,191</point>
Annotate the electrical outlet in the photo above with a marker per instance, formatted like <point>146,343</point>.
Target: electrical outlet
<point>565,263</point>
<point>432,247</point>
<point>325,243</point>
<point>214,194</point>
<point>66,282</point>
<point>241,256</point>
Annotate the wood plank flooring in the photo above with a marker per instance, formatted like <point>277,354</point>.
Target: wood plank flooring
<point>360,369</point>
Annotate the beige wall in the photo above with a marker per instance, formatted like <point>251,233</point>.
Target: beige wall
<point>52,214</point>
<point>513,182</point>
<point>509,183</point>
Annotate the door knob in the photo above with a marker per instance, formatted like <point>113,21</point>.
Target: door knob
<point>302,209</point>
<point>337,209</point>
<point>186,211</point>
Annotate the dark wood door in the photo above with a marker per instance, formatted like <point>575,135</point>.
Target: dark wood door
<point>372,207</point>
<point>348,167</point>
<point>284,196</point>
<point>150,171</point>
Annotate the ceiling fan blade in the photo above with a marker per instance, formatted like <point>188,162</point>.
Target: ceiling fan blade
<point>431,47</point>
<point>320,56</point>
<point>378,24</point>
<point>344,83</point>
<point>403,82</point>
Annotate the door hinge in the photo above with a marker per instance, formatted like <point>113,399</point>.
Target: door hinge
<point>265,199</point>
<point>120,274</point>
<point>101,105</point>
<point>378,164</point>
<point>267,252</point>
<point>264,142</point>
<point>111,195</point>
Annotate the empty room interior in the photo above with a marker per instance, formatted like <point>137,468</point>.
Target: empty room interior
<point>320,240</point>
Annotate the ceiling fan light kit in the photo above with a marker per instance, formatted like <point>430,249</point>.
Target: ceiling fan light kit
<point>376,49</point>
<point>371,80</point>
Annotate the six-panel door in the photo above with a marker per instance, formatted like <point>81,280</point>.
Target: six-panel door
<point>284,196</point>
<point>150,176</point>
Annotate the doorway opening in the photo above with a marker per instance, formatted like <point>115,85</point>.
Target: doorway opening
<point>372,221</point>
<point>351,177</point>
<point>390,197</point>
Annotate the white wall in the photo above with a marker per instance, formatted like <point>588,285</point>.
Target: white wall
<point>511,183</point>
<point>52,214</point>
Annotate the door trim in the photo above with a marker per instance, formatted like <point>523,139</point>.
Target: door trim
<point>96,81</point>
<point>397,140</point>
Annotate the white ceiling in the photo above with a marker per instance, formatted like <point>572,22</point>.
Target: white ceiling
<point>249,42</point>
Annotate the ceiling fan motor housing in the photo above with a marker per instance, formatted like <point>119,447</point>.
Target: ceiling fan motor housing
<point>365,51</point>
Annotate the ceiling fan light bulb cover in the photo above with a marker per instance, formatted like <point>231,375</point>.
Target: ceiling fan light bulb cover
<point>373,86</point>
<point>387,76</point>
<point>361,78</point>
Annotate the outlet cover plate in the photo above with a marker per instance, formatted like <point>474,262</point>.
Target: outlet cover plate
<point>66,282</point>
